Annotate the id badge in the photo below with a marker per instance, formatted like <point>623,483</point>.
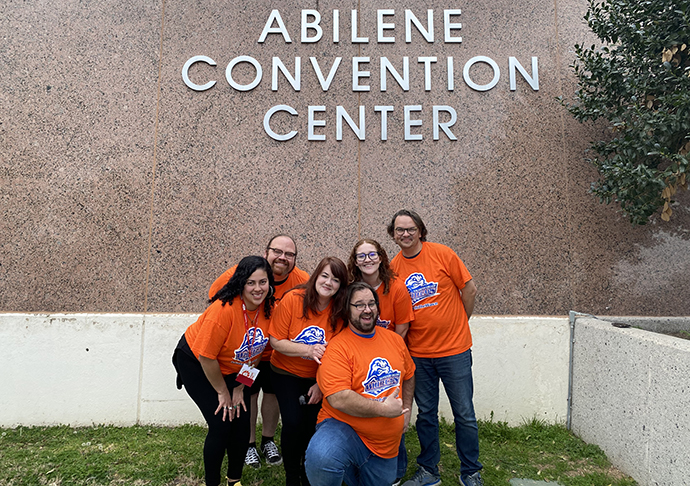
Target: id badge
<point>247,375</point>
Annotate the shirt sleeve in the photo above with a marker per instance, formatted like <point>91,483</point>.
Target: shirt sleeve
<point>213,333</point>
<point>457,269</point>
<point>409,364</point>
<point>221,281</point>
<point>403,305</point>
<point>335,372</point>
<point>281,318</point>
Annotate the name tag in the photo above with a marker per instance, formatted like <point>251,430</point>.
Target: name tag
<point>247,375</point>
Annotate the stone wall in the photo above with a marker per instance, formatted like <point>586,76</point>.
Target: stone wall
<point>125,190</point>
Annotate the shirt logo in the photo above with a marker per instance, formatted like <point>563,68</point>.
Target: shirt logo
<point>419,288</point>
<point>380,377</point>
<point>382,323</point>
<point>311,335</point>
<point>252,345</point>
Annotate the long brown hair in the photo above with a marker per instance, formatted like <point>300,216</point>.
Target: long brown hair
<point>311,296</point>
<point>386,273</point>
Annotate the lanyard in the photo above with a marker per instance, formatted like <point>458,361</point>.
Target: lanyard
<point>246,328</point>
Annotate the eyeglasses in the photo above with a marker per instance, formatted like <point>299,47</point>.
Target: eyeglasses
<point>361,307</point>
<point>401,231</point>
<point>278,253</point>
<point>362,257</point>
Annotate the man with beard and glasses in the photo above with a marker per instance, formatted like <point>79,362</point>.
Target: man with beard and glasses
<point>281,253</point>
<point>367,379</point>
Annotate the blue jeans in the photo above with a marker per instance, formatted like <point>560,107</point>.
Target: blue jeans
<point>456,374</point>
<point>402,458</point>
<point>336,454</point>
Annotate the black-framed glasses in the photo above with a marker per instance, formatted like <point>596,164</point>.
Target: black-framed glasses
<point>411,231</point>
<point>362,257</point>
<point>362,306</point>
<point>278,253</point>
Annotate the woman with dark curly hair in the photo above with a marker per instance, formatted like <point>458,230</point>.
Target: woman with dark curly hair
<point>214,356</point>
<point>368,263</point>
<point>302,324</point>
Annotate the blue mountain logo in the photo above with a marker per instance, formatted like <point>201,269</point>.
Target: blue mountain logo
<point>419,288</point>
<point>380,377</point>
<point>311,335</point>
<point>247,352</point>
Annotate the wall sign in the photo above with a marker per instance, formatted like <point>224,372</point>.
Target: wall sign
<point>359,69</point>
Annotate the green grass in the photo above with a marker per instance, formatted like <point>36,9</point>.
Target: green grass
<point>95,456</point>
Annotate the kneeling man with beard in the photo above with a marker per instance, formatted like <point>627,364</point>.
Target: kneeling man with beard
<point>367,379</point>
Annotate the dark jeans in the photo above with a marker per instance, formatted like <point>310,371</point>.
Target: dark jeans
<point>456,374</point>
<point>222,436</point>
<point>299,422</point>
<point>402,458</point>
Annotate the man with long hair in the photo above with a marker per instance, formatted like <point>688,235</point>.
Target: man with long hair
<point>439,340</point>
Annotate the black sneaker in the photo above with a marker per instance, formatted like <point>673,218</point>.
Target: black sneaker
<point>270,452</point>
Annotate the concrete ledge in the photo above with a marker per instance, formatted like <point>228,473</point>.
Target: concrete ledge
<point>655,324</point>
<point>631,396</point>
<point>84,369</point>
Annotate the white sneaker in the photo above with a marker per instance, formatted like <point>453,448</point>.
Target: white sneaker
<point>252,458</point>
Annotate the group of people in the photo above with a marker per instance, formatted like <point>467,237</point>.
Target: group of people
<point>339,356</point>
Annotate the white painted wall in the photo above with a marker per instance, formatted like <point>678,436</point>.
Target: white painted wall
<point>84,369</point>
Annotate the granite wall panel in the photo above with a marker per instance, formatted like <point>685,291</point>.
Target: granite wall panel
<point>123,190</point>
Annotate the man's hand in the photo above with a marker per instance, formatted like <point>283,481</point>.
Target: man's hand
<point>315,395</point>
<point>392,405</point>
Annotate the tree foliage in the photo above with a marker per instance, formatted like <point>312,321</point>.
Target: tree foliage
<point>638,80</point>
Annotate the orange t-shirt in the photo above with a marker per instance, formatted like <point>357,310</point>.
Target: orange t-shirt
<point>287,323</point>
<point>372,367</point>
<point>395,307</point>
<point>220,334</point>
<point>295,277</point>
<point>433,278</point>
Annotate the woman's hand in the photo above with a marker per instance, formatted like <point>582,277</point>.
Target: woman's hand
<point>237,402</point>
<point>299,350</point>
<point>315,352</point>
<point>215,377</point>
<point>315,395</point>
<point>224,404</point>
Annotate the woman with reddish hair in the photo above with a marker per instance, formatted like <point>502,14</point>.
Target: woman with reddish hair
<point>303,322</point>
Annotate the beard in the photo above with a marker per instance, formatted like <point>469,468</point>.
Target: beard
<point>365,328</point>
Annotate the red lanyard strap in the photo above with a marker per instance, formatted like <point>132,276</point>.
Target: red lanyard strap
<point>246,329</point>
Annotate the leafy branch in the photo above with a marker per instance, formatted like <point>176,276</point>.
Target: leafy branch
<point>638,80</point>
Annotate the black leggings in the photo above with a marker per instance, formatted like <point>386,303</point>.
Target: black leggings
<point>223,436</point>
<point>299,422</point>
